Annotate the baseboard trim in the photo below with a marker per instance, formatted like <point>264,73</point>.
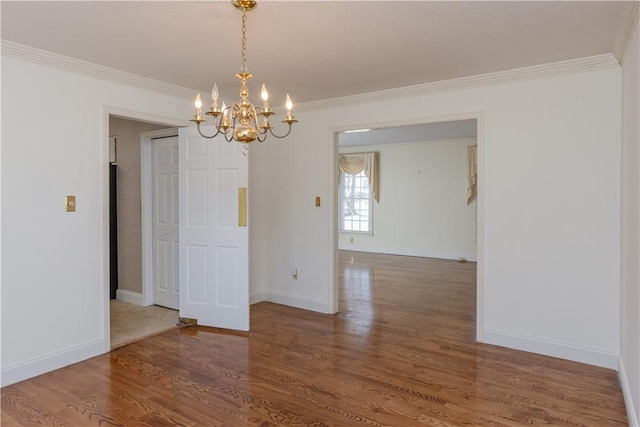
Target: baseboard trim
<point>59,359</point>
<point>130,297</point>
<point>256,297</point>
<point>423,254</point>
<point>626,393</point>
<point>591,356</point>
<point>297,302</point>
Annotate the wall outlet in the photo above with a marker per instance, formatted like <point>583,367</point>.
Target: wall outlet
<point>351,239</point>
<point>293,270</point>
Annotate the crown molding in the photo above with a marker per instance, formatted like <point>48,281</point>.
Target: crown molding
<point>53,60</point>
<point>552,69</point>
<point>626,30</point>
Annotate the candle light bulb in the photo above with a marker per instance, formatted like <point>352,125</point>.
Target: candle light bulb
<point>198,102</point>
<point>214,92</point>
<point>264,93</point>
<point>223,120</point>
<point>289,103</point>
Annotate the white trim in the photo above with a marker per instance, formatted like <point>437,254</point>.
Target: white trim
<point>65,63</point>
<point>626,393</point>
<point>147,209</point>
<point>480,270</point>
<point>626,30</point>
<point>128,296</point>
<point>256,297</point>
<point>141,116</point>
<point>333,190</point>
<point>403,252</point>
<point>146,219</point>
<point>106,229</point>
<point>297,302</point>
<point>563,350</point>
<point>571,66</point>
<point>58,359</point>
<point>53,60</point>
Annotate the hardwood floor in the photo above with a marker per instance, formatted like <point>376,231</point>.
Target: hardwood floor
<point>400,353</point>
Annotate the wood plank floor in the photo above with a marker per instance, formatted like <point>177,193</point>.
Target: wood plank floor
<point>400,353</point>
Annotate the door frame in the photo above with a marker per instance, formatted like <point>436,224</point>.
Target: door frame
<point>146,140</point>
<point>333,291</point>
<point>108,111</point>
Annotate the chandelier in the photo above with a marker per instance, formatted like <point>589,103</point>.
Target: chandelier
<point>239,122</point>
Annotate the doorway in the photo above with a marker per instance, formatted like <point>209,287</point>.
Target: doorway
<point>478,124</point>
<point>129,317</point>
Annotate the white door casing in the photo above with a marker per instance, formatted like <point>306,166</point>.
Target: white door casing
<point>214,248</point>
<point>164,193</point>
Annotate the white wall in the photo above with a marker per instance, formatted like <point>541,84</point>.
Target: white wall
<point>423,207</point>
<point>54,274</point>
<point>630,292</point>
<point>550,171</point>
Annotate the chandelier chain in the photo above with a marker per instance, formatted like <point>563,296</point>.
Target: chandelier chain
<point>244,41</point>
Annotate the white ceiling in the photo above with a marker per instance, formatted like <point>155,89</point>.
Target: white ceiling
<point>317,50</point>
<point>414,133</point>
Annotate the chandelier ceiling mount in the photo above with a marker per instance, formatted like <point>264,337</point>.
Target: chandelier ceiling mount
<point>244,4</point>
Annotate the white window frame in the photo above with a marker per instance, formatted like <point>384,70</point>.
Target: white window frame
<point>343,182</point>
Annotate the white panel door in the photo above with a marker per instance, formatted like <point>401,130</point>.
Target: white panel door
<point>164,193</point>
<point>214,248</point>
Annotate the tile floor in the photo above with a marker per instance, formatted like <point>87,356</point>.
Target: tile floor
<point>130,322</point>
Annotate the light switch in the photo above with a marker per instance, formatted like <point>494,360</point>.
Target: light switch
<point>70,203</point>
<point>317,201</point>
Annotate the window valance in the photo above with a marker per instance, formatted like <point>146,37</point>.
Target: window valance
<point>353,164</point>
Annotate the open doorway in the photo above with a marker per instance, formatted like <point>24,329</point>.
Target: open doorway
<point>130,317</point>
<point>402,147</point>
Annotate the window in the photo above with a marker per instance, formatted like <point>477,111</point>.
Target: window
<point>355,203</point>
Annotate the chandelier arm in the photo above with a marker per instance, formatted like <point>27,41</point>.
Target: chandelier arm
<point>282,136</point>
<point>206,136</point>
<point>258,110</point>
<point>228,135</point>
